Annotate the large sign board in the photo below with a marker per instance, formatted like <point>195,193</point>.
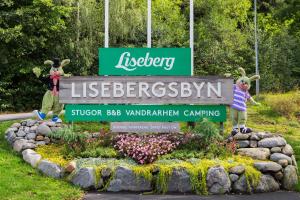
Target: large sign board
<point>145,113</point>
<point>146,90</point>
<point>145,61</point>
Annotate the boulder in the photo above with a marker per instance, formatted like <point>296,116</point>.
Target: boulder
<point>39,138</point>
<point>11,129</point>
<point>21,133</point>
<point>30,136</point>
<point>253,143</point>
<point>254,137</point>
<point>11,137</point>
<point>16,125</point>
<point>294,162</point>
<point>240,136</point>
<point>243,143</point>
<point>31,122</point>
<point>233,177</point>
<point>241,185</point>
<point>31,157</point>
<point>267,166</point>
<point>126,180</point>
<point>33,129</point>
<point>70,167</point>
<point>85,178</point>
<point>40,143</point>
<point>279,156</point>
<point>237,169</point>
<point>43,129</point>
<point>276,150</point>
<point>283,162</point>
<point>263,135</point>
<point>278,175</point>
<point>288,150</point>
<point>266,184</point>
<point>27,130</point>
<point>20,145</point>
<point>50,169</point>
<point>217,180</point>
<point>179,181</point>
<point>290,178</point>
<point>255,153</point>
<point>272,142</point>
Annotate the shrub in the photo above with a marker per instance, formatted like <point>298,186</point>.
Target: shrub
<point>208,131</point>
<point>287,104</point>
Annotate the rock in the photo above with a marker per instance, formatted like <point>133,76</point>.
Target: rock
<point>51,124</point>
<point>279,156</point>
<point>21,133</point>
<point>31,122</point>
<point>40,143</point>
<point>253,143</point>
<point>12,129</point>
<point>50,169</point>
<point>288,150</point>
<point>31,157</point>
<point>276,150</point>
<point>71,166</point>
<point>240,136</point>
<point>11,137</point>
<point>23,123</point>
<point>54,128</point>
<point>241,185</point>
<point>237,169</point>
<point>16,125</point>
<point>294,161</point>
<point>263,135</point>
<point>106,172</point>
<point>33,129</point>
<point>85,178</point>
<point>30,136</point>
<point>27,130</point>
<point>47,140</point>
<point>39,138</point>
<point>290,178</point>
<point>217,180</point>
<point>283,162</point>
<point>278,175</point>
<point>233,177</point>
<point>43,129</point>
<point>272,142</point>
<point>126,180</point>
<point>267,166</point>
<point>179,181</point>
<point>22,144</point>
<point>255,153</point>
<point>254,137</point>
<point>266,184</point>
<point>243,143</point>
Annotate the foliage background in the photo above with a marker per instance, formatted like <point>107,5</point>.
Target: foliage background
<point>32,31</point>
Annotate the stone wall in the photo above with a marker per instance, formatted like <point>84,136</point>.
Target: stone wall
<point>273,157</point>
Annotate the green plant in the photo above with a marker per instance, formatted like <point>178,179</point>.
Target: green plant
<point>73,141</point>
<point>101,152</point>
<point>208,131</point>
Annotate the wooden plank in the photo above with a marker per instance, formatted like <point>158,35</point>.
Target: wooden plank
<point>144,127</point>
<point>208,90</point>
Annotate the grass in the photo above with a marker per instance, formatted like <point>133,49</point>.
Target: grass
<point>18,180</point>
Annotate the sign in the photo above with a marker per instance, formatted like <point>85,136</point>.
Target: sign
<point>145,113</point>
<point>145,61</point>
<point>146,90</point>
<point>144,127</point>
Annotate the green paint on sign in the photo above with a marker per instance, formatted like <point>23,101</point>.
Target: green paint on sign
<point>145,113</point>
<point>145,61</point>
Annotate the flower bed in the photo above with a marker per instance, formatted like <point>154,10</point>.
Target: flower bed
<point>265,162</point>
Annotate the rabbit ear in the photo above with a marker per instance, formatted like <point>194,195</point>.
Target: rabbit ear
<point>242,71</point>
<point>65,62</point>
<point>255,77</point>
<point>48,62</point>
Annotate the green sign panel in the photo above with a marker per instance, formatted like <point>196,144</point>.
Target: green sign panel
<point>145,61</point>
<point>145,113</point>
